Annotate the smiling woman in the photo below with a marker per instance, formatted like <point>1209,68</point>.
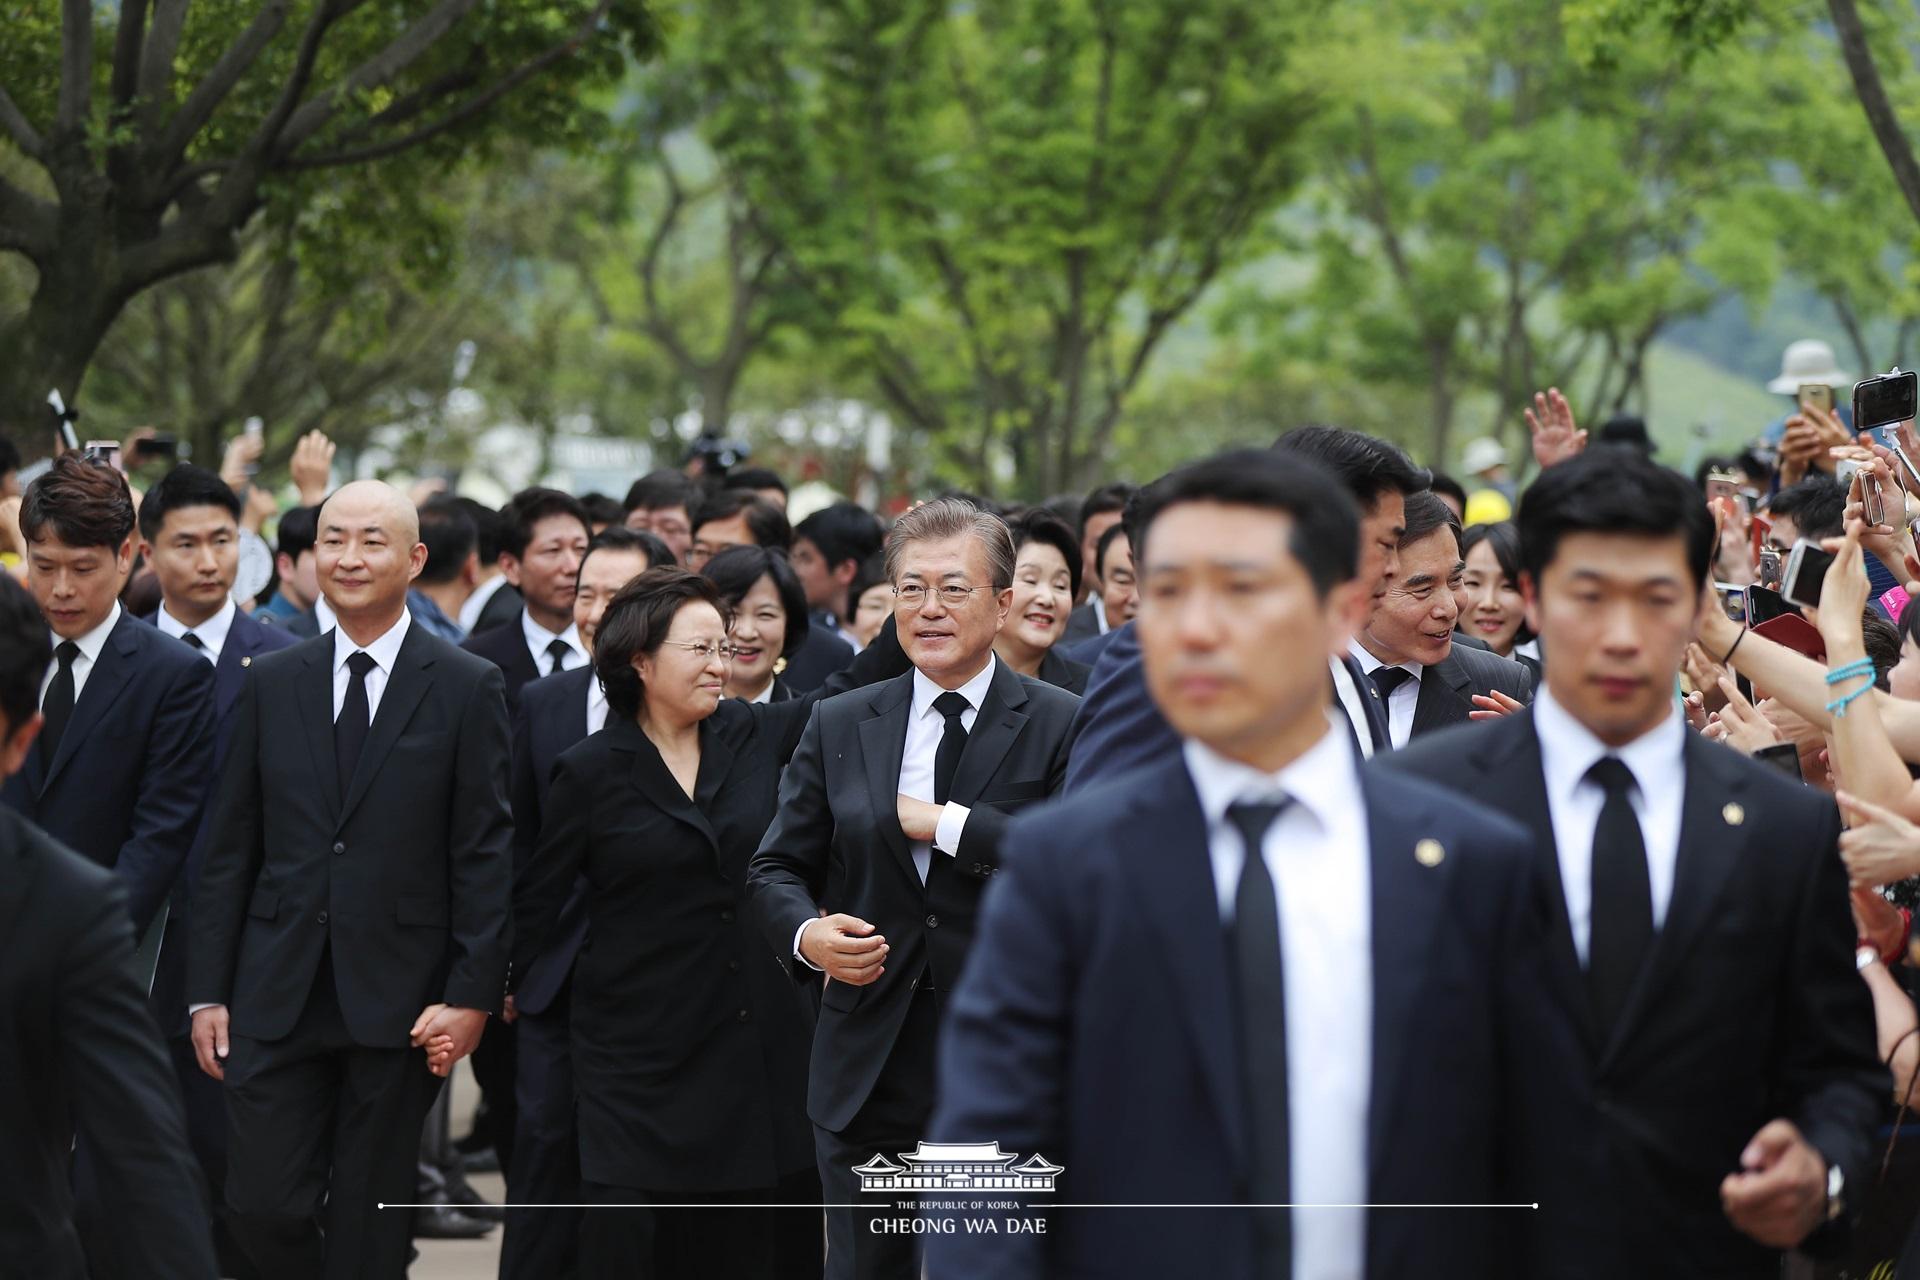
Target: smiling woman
<point>1046,581</point>
<point>769,618</point>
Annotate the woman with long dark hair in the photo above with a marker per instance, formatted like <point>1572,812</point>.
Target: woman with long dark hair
<point>1495,611</point>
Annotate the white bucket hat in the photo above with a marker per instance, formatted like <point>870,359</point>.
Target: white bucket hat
<point>1483,454</point>
<point>1808,361</point>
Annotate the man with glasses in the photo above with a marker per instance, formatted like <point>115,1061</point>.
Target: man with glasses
<point>890,820</point>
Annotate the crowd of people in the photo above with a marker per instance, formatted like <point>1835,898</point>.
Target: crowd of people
<point>1321,880</point>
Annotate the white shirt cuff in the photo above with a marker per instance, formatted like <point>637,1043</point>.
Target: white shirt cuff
<point>195,1008</point>
<point>796,947</point>
<point>952,825</point>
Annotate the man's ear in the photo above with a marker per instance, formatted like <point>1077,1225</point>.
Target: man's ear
<point>510,566</point>
<point>13,749</point>
<point>844,572</point>
<point>1346,611</point>
<point>1530,592</point>
<point>123,558</point>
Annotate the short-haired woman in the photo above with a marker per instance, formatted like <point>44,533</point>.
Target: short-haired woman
<point>1046,582</point>
<point>769,608</point>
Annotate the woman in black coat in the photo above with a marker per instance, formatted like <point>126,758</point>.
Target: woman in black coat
<point>689,1042</point>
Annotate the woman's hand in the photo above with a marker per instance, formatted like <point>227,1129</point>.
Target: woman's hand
<point>1705,675</point>
<point>1889,542</point>
<point>1733,561</point>
<point>1829,431</point>
<point>1555,435</point>
<point>1743,727</point>
<point>1881,847</point>
<point>1843,593</point>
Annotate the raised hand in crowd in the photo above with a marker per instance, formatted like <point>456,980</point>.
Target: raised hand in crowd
<point>311,467</point>
<point>1890,541</point>
<point>1801,446</point>
<point>1550,422</point>
<point>1739,723</point>
<point>1879,846</point>
<point>1733,558</point>
<point>1702,672</point>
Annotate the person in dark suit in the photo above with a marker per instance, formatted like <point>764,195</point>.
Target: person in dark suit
<point>1119,727</point>
<point>829,547</point>
<point>1426,678</point>
<point>1727,1104</point>
<point>1251,971</point>
<point>350,926</point>
<point>1046,578</point>
<point>190,536</point>
<point>544,538</point>
<point>119,774</point>
<point>555,712</point>
<point>1101,510</point>
<point>689,1046</point>
<point>78,1048</point>
<point>890,821</point>
<point>1119,592</point>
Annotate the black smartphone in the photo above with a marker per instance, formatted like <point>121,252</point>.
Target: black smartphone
<point>1764,605</point>
<point>1806,571</point>
<point>1784,756</point>
<point>160,446</point>
<point>1887,398</point>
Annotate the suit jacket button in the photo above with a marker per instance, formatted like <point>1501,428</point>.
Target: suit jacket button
<point>733,966</point>
<point>933,922</point>
<point>743,1015</point>
<point>321,918</point>
<point>727,916</point>
<point>339,848</point>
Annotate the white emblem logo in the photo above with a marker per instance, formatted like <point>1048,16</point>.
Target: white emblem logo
<point>958,1166</point>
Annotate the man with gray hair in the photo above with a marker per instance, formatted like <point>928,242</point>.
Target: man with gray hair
<point>891,815</point>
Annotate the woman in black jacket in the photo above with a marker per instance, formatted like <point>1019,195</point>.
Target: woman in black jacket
<point>689,1043</point>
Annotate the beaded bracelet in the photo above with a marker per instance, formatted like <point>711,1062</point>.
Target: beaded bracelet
<point>1863,667</point>
<point>1838,707</point>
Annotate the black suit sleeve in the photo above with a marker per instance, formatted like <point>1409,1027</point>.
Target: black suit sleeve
<point>787,875</point>
<point>986,827</point>
<point>235,848</point>
<point>126,1100</point>
<point>480,852</point>
<point>543,885</point>
<point>523,794</point>
<point>178,761</point>
<point>884,659</point>
<point>1828,1068</point>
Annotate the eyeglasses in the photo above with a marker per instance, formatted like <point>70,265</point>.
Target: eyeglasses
<point>706,649</point>
<point>952,595</point>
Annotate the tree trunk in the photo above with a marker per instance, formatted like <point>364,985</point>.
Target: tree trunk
<point>49,349</point>
<point>1440,401</point>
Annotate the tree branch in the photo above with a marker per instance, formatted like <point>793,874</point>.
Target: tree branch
<point>400,54</point>
<point>1867,86</point>
<point>76,63</point>
<point>214,87</point>
<point>128,39</point>
<point>28,225</point>
<point>156,65</point>
<point>18,127</point>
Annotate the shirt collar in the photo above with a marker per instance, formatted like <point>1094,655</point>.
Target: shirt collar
<point>765,695</point>
<point>1371,664</point>
<point>538,637</point>
<point>596,693</point>
<point>384,651</point>
<point>325,619</point>
<point>1568,749</point>
<point>470,609</point>
<point>212,633</point>
<point>974,690</point>
<point>95,640</point>
<point>1319,782</point>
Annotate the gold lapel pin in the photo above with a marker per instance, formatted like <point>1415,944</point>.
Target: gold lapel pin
<point>1429,853</point>
<point>1734,814</point>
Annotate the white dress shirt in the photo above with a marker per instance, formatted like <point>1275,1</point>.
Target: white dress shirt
<point>471,607</point>
<point>764,696</point>
<point>384,652</point>
<point>1099,603</point>
<point>596,706</point>
<point>1317,852</point>
<point>324,619</point>
<point>1657,760</point>
<point>1401,704</point>
<point>538,638</point>
<point>1350,695</point>
<point>212,634</point>
<point>90,646</point>
<point>925,728</point>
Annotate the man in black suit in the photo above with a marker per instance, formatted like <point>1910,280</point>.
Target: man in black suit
<point>353,909</point>
<point>1254,971</point>
<point>1702,942</point>
<point>890,820</point>
<point>190,537</point>
<point>1104,508</point>
<point>829,547</point>
<point>1414,661</point>
<point>544,537</point>
<point>120,771</point>
<point>556,712</point>
<point>78,1048</point>
<point>1120,728</point>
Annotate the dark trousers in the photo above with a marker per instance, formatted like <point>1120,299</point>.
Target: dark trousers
<point>311,1101</point>
<point>207,1134</point>
<point>730,1239</point>
<point>494,1069</point>
<point>541,1244</point>
<point>891,1121</point>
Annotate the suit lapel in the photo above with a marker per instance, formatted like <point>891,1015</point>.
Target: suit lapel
<point>883,741</point>
<point>109,676</point>
<point>411,677</point>
<point>995,729</point>
<point>656,782</point>
<point>243,642</point>
<point>315,698</point>
<point>1707,855</point>
<point>1173,874</point>
<point>1445,696</point>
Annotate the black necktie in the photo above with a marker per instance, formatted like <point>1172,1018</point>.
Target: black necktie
<point>1387,679</point>
<point>193,642</point>
<point>1622,928</point>
<point>57,707</point>
<point>560,651</point>
<point>1261,996</point>
<point>350,730</point>
<point>946,761</point>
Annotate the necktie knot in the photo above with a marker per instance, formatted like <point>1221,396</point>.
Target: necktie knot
<point>1252,818</point>
<point>952,705</point>
<point>559,651</point>
<point>66,653</point>
<point>360,662</point>
<point>1387,679</point>
<point>1611,774</point>
<point>193,641</point>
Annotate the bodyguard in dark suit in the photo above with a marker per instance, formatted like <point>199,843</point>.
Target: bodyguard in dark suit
<point>1119,727</point>
<point>353,909</point>
<point>190,531</point>
<point>1426,678</point>
<point>1251,971</point>
<point>556,712</point>
<point>78,1049</point>
<point>119,774</point>
<point>1702,942</point>
<point>890,821</point>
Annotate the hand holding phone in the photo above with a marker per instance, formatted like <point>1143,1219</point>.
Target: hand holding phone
<point>1805,573</point>
<point>1816,395</point>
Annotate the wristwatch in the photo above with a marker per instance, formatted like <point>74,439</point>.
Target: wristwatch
<point>1836,1192</point>
<point>1863,956</point>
